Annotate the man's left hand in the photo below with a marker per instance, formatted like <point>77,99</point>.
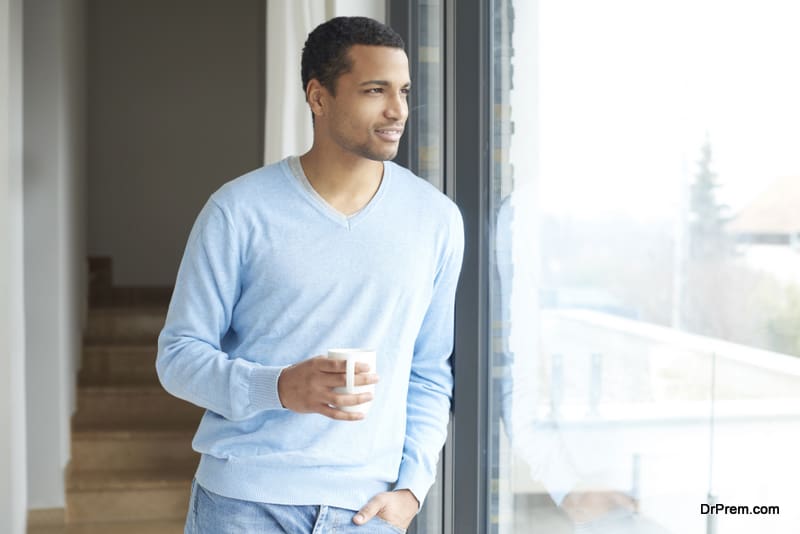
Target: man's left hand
<point>396,507</point>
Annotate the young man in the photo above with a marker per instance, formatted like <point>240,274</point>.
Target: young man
<point>337,248</point>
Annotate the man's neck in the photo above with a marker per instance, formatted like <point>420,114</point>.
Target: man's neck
<point>346,182</point>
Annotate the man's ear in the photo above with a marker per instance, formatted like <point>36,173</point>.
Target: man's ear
<point>315,96</point>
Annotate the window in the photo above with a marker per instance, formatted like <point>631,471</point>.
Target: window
<point>643,307</point>
<point>421,25</point>
<point>628,317</point>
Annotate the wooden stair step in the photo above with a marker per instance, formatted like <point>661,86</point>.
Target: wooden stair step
<point>102,495</point>
<point>125,479</point>
<point>130,527</point>
<point>102,295</point>
<point>154,426</point>
<point>110,325</point>
<point>124,363</point>
<point>132,405</point>
<point>133,449</point>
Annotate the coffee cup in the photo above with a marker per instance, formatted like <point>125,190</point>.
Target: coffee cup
<point>353,356</point>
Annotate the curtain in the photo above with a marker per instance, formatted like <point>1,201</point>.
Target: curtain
<point>287,128</point>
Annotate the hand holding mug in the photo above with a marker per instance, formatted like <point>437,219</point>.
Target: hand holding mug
<point>353,358</point>
<point>311,386</point>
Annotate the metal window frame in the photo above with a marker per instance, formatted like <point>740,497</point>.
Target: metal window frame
<point>468,154</point>
<point>467,174</point>
<point>402,16</point>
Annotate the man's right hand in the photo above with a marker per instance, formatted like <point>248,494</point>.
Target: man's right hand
<point>307,387</point>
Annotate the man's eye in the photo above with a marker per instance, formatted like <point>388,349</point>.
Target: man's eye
<point>375,90</point>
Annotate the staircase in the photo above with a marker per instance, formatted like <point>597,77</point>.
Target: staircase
<point>132,459</point>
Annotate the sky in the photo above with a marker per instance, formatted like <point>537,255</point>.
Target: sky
<point>628,90</point>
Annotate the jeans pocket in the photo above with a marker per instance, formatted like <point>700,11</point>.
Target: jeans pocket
<point>394,528</point>
<point>190,527</point>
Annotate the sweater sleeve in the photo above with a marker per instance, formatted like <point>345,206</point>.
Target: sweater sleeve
<point>431,381</point>
<point>190,362</point>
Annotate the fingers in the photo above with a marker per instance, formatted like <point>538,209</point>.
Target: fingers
<point>334,380</point>
<point>328,365</point>
<point>395,507</point>
<point>349,399</point>
<point>339,415</point>
<point>369,510</point>
<point>308,387</point>
<point>366,379</point>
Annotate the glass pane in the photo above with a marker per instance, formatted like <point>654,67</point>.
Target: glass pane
<point>645,301</point>
<point>426,105</point>
<point>427,99</point>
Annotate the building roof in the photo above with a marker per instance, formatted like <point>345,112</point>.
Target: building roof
<point>775,211</point>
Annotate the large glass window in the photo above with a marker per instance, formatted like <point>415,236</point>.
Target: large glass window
<point>427,100</point>
<point>645,260</point>
<point>421,24</point>
<point>427,109</point>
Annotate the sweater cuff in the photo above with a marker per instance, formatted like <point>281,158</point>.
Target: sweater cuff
<point>411,479</point>
<point>264,388</point>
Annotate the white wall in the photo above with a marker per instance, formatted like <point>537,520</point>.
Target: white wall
<point>176,92</point>
<point>13,502</point>
<point>55,253</point>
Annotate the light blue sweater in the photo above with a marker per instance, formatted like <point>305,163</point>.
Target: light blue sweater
<point>273,275</point>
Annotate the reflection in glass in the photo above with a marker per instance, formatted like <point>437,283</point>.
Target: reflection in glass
<point>646,262</point>
<point>426,107</point>
<point>427,98</point>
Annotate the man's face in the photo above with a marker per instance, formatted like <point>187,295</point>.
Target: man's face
<point>369,111</point>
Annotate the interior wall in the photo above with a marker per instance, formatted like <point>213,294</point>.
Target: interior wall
<point>176,91</point>
<point>13,493</point>
<point>54,250</point>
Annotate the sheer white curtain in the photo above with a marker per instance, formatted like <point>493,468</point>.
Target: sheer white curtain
<point>287,127</point>
<point>13,452</point>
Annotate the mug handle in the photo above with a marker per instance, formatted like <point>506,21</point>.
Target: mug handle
<point>350,373</point>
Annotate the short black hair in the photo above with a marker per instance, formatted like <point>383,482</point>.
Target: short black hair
<point>325,52</point>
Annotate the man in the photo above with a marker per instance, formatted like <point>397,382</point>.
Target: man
<point>337,248</point>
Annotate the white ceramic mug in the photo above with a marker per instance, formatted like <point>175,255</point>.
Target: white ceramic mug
<point>352,356</point>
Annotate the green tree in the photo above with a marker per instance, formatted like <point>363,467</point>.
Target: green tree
<point>707,216</point>
<point>782,321</point>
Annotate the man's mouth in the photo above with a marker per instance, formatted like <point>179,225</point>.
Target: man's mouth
<point>389,134</point>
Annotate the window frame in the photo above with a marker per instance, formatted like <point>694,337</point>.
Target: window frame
<point>467,172</point>
<point>467,149</point>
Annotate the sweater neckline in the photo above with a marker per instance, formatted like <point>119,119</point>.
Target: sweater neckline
<point>294,172</point>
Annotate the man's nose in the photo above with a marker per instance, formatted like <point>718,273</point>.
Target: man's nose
<point>396,108</point>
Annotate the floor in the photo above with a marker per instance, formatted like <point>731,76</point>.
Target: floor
<point>149,527</point>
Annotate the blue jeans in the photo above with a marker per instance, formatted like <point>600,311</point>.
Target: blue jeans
<point>210,513</point>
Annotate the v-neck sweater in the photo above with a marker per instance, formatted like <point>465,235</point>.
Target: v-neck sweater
<point>297,171</point>
<point>273,275</point>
